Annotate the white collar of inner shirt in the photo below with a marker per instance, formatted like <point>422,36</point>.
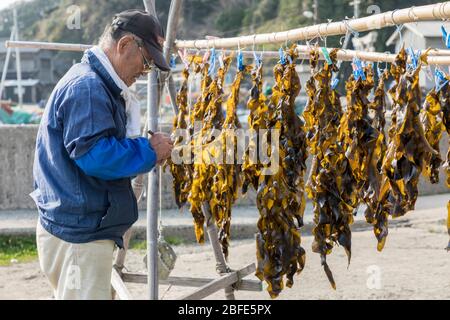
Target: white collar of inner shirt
<point>132,105</point>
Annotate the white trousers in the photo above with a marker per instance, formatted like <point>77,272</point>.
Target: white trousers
<point>76,271</point>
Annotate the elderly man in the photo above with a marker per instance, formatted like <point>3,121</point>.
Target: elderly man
<point>87,153</point>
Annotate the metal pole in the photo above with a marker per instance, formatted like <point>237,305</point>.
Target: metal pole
<point>172,24</point>
<point>151,8</point>
<point>154,89</point>
<point>5,67</point>
<point>153,179</point>
<point>172,90</point>
<point>153,192</point>
<point>18,66</point>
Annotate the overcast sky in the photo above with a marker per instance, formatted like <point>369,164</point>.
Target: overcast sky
<point>6,3</point>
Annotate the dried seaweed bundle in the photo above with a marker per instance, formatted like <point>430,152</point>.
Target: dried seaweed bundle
<point>226,179</point>
<point>280,197</point>
<point>431,118</point>
<point>181,172</point>
<point>331,184</point>
<point>363,145</point>
<point>257,120</point>
<point>408,147</point>
<point>208,112</point>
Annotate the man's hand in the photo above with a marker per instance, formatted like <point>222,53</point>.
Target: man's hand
<point>162,144</point>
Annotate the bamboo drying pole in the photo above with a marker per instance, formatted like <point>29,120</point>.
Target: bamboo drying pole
<point>435,56</point>
<point>391,18</point>
<point>48,45</point>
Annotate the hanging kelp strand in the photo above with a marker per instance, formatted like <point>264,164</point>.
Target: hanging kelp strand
<point>408,146</point>
<point>227,177</point>
<point>280,197</point>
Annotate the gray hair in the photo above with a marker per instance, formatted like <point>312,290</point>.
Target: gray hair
<point>111,35</point>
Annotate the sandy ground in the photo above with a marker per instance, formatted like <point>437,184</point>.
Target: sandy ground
<point>413,265</point>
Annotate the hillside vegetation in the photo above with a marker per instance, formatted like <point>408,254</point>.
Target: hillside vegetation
<point>46,20</point>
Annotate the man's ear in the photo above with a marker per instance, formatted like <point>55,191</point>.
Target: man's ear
<point>124,43</point>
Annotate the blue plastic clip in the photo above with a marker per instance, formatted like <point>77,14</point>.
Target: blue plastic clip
<point>173,59</point>
<point>258,60</point>
<point>439,79</point>
<point>334,83</point>
<point>358,71</point>
<point>212,63</point>
<point>414,57</point>
<point>220,58</point>
<point>282,57</point>
<point>379,70</point>
<point>240,61</point>
<point>445,37</point>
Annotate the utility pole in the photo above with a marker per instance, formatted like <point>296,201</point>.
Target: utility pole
<point>5,66</point>
<point>355,4</point>
<point>316,11</point>
<point>18,65</point>
<point>252,26</point>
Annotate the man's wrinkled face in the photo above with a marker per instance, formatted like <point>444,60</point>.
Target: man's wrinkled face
<point>131,59</point>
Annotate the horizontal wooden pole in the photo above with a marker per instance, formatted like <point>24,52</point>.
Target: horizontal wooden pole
<point>220,283</point>
<point>436,11</point>
<point>435,56</point>
<point>439,52</point>
<point>47,45</point>
<point>212,287</point>
<point>348,55</point>
<point>244,285</point>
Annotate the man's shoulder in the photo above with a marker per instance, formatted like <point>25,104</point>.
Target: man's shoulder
<point>80,77</point>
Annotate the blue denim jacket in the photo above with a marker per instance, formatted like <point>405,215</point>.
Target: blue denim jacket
<point>84,115</point>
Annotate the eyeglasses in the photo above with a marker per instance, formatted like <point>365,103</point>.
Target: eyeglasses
<point>147,65</point>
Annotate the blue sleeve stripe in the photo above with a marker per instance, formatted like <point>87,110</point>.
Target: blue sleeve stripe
<point>111,159</point>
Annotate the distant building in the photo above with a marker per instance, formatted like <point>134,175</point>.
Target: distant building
<point>38,74</point>
<point>420,35</point>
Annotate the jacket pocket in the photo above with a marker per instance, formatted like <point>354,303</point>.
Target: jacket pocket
<point>122,209</point>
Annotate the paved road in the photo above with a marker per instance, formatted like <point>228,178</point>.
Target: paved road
<point>24,221</point>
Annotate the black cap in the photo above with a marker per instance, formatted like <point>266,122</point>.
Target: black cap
<point>146,27</point>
